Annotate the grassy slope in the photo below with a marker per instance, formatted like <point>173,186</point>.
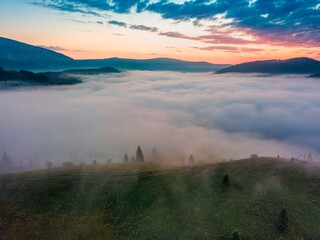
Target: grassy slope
<point>148,202</point>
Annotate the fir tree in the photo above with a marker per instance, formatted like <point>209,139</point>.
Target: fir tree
<point>191,159</point>
<point>283,220</point>
<point>226,181</point>
<point>235,235</point>
<point>139,155</point>
<point>126,158</point>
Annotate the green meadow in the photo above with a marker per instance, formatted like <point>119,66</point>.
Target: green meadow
<point>149,201</point>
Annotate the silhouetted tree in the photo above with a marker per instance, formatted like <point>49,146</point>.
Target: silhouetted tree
<point>154,151</point>
<point>126,158</point>
<point>6,162</point>
<point>226,181</point>
<point>139,155</point>
<point>1,69</point>
<point>191,159</point>
<point>95,162</point>
<point>235,235</point>
<point>283,220</point>
<point>49,164</point>
<point>109,160</point>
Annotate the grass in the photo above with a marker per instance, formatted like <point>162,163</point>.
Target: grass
<point>144,201</point>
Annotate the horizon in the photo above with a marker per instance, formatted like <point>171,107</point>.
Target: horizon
<point>150,58</point>
<point>196,31</point>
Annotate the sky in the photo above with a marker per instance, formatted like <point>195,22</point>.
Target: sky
<point>216,31</point>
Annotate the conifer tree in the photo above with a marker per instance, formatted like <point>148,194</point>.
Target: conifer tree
<point>226,181</point>
<point>283,220</point>
<point>191,159</point>
<point>126,158</point>
<point>139,155</point>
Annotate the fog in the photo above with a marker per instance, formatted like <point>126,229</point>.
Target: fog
<point>211,116</point>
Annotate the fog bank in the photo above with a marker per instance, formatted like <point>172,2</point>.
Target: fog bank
<point>207,115</point>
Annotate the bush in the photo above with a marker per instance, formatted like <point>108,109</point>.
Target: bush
<point>235,235</point>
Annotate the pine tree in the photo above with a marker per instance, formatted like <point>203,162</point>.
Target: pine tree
<point>226,181</point>
<point>235,235</point>
<point>49,164</point>
<point>126,158</point>
<point>139,155</point>
<point>154,151</point>
<point>191,159</point>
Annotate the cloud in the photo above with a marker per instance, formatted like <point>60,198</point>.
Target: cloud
<point>273,22</point>
<point>229,48</point>
<point>176,35</point>
<point>223,39</point>
<point>54,48</point>
<point>144,28</point>
<point>117,23</point>
<point>93,7</point>
<point>287,22</point>
<point>71,7</point>
<point>227,116</point>
<point>134,27</point>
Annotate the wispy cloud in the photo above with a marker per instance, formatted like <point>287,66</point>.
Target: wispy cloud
<point>177,35</point>
<point>231,49</point>
<point>117,23</point>
<point>54,48</point>
<point>291,22</point>
<point>144,28</point>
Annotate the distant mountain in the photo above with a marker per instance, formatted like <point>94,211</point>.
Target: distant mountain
<point>317,75</point>
<point>18,55</point>
<point>92,71</point>
<point>155,64</point>
<point>289,66</point>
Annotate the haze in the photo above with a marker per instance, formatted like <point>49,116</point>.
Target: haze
<point>211,116</point>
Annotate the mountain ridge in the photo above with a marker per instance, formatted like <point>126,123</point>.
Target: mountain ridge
<point>300,65</point>
<point>17,55</point>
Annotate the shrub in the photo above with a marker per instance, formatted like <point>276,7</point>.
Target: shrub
<point>235,235</point>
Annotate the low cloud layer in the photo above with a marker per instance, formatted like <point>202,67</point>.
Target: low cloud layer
<point>210,116</point>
